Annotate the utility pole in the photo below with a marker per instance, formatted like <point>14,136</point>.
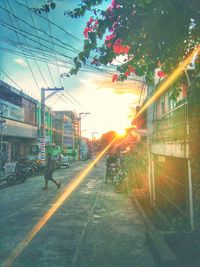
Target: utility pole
<point>42,129</point>
<point>93,133</point>
<point>81,115</point>
<point>2,128</point>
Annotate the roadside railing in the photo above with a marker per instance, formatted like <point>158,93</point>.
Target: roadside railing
<point>171,126</point>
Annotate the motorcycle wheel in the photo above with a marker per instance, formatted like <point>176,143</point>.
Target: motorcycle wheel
<point>11,179</point>
<point>23,179</point>
<point>120,186</point>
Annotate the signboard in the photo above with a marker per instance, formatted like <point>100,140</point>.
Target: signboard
<point>47,138</point>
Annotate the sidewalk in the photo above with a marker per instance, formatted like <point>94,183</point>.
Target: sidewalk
<point>115,233</point>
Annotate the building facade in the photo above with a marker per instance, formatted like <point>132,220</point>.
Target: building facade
<point>174,157</point>
<point>19,112</point>
<point>71,133</point>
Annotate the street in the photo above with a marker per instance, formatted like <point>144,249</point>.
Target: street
<point>93,227</point>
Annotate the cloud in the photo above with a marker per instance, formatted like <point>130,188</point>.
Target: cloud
<point>20,62</point>
<point>126,87</point>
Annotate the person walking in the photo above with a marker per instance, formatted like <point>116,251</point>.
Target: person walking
<point>49,169</point>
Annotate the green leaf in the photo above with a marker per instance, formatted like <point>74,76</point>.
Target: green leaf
<point>53,5</point>
<point>75,60</point>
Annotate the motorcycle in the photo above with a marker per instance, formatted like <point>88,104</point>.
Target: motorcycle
<point>111,171</point>
<point>37,167</point>
<point>119,181</point>
<point>21,173</point>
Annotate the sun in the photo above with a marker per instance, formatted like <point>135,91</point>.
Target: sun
<point>121,132</point>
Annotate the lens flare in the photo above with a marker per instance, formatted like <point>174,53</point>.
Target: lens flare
<point>121,132</point>
<point>170,80</point>
<point>67,192</point>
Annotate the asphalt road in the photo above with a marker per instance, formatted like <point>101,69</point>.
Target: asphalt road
<point>94,227</point>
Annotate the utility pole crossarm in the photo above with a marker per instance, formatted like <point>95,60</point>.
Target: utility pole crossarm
<point>55,90</point>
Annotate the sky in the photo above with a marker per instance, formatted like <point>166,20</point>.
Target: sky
<point>35,52</point>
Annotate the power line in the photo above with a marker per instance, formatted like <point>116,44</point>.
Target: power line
<point>42,48</point>
<point>77,39</point>
<point>35,28</point>
<point>54,54</point>
<point>62,94</point>
<point>39,58</point>
<point>30,49</point>
<point>24,53</point>
<point>68,33</point>
<point>33,55</point>
<point>11,79</point>
<point>64,55</point>
<point>23,32</point>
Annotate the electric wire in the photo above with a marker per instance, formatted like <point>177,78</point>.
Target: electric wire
<point>96,68</point>
<point>57,67</point>
<point>11,79</point>
<point>59,70</point>
<point>25,33</point>
<point>35,61</point>
<point>40,30</point>
<point>53,23</point>
<point>34,78</point>
<point>50,74</point>
<point>64,31</point>
<point>39,58</point>
<point>64,55</point>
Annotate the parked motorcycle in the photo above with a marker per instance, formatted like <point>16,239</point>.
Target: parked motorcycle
<point>37,167</point>
<point>112,169</point>
<point>119,181</point>
<point>21,173</point>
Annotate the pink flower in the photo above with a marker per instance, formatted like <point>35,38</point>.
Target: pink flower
<point>131,69</point>
<point>120,49</point>
<point>108,45</point>
<point>110,37</point>
<point>114,78</point>
<point>91,20</point>
<point>118,42</point>
<point>96,23</point>
<point>127,73</point>
<point>87,29</point>
<point>113,3</point>
<point>126,49</point>
<point>161,74</point>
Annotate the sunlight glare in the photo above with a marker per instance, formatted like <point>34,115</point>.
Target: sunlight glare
<point>61,198</point>
<point>169,81</point>
<point>121,132</point>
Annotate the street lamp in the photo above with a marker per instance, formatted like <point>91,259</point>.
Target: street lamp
<point>81,115</point>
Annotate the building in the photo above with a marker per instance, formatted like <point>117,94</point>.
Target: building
<point>71,133</point>
<point>20,112</point>
<point>174,159</point>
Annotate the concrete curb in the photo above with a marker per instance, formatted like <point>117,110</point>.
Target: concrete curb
<point>159,245</point>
